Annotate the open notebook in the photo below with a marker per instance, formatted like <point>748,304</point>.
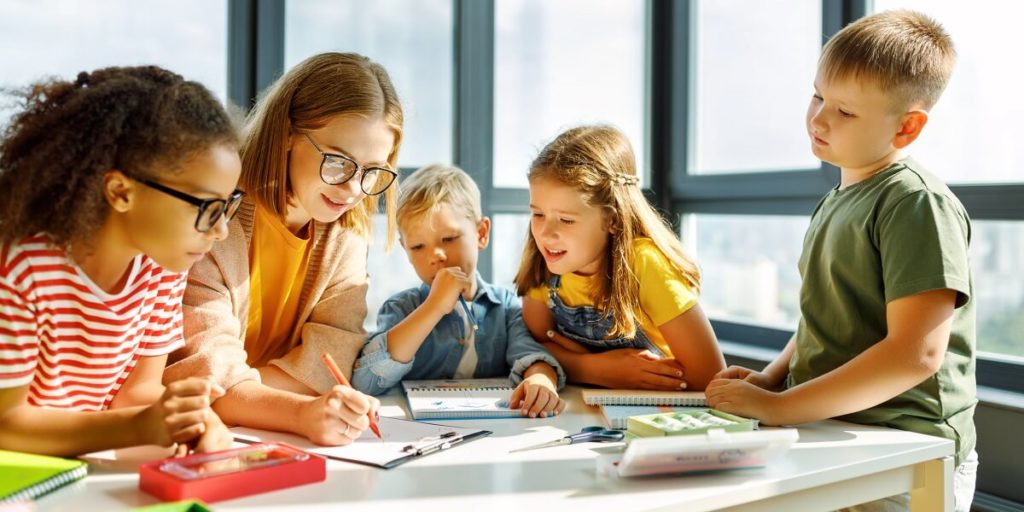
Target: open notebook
<point>25,476</point>
<point>459,398</point>
<point>641,397</point>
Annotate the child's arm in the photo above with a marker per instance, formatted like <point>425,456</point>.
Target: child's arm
<point>536,394</point>
<point>334,418</point>
<point>143,386</point>
<point>179,415</point>
<point>405,338</point>
<point>918,334</point>
<point>621,368</point>
<point>771,377</point>
<point>694,345</point>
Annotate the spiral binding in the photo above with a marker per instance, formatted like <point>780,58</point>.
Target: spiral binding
<point>47,486</point>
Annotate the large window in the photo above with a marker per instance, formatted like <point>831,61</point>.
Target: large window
<point>561,64</point>
<point>749,266</point>
<point>45,38</point>
<point>411,38</point>
<point>755,67</point>
<point>974,134</point>
<point>997,250</point>
<point>984,93</point>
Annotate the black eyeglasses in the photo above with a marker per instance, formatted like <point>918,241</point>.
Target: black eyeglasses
<point>210,210</point>
<point>336,169</point>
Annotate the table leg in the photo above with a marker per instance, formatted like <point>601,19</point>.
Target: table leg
<point>933,486</point>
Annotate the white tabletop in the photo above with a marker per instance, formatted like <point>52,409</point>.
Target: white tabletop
<point>834,464</point>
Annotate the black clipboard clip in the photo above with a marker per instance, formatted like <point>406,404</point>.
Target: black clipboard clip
<point>433,444</point>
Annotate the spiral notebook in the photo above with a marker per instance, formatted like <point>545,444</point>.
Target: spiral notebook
<point>641,397</point>
<point>25,476</point>
<point>459,398</point>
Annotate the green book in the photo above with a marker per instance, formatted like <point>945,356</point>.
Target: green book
<point>25,476</point>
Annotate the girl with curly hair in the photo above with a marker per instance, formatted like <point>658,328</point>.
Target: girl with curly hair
<point>111,187</point>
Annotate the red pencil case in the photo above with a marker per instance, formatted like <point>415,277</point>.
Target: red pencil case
<point>231,473</point>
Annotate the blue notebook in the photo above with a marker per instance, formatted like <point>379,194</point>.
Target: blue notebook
<point>617,416</point>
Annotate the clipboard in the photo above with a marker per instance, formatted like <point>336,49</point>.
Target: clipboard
<point>402,442</point>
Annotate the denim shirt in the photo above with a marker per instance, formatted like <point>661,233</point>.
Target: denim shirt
<point>503,345</point>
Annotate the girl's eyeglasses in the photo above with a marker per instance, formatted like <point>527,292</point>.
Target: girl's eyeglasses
<point>210,210</point>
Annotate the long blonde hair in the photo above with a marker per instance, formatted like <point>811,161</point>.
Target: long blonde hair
<point>598,162</point>
<point>306,98</point>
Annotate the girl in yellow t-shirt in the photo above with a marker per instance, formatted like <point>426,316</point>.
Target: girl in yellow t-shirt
<point>607,286</point>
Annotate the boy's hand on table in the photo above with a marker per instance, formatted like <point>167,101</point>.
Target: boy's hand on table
<point>746,399</point>
<point>759,379</point>
<point>536,396</point>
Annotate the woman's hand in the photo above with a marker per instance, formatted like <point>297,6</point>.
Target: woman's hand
<point>337,417</point>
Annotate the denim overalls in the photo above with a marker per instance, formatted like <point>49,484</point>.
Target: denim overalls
<point>587,325</point>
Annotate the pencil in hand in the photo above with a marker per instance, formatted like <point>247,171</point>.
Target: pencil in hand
<point>340,377</point>
<point>469,313</point>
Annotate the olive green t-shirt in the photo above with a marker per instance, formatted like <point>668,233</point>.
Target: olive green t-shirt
<point>895,234</point>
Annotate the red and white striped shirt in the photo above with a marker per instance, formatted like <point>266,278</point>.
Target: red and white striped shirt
<point>72,343</point>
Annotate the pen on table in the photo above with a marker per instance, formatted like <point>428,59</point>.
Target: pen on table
<point>469,313</point>
<point>340,377</point>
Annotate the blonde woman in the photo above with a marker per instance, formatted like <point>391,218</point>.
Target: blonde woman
<point>289,283</point>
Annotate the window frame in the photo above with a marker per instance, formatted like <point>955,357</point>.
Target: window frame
<point>256,58</point>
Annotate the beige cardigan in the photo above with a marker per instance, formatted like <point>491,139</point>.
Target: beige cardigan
<point>332,307</point>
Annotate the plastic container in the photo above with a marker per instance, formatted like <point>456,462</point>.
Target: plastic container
<point>713,451</point>
<point>696,421</point>
<point>231,473</point>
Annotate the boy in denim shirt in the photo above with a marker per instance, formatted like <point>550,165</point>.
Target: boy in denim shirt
<point>886,333</point>
<point>424,332</point>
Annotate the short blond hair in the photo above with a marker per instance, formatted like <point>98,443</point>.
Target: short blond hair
<point>907,54</point>
<point>430,187</point>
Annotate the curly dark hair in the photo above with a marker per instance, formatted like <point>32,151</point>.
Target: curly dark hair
<point>145,121</point>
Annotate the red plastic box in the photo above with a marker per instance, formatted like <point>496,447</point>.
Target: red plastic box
<point>231,473</point>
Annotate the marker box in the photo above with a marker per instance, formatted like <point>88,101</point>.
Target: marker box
<point>231,473</point>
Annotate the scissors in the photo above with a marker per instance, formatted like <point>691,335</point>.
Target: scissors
<point>589,434</point>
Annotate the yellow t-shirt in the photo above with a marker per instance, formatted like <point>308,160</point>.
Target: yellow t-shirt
<point>664,292</point>
<point>277,270</point>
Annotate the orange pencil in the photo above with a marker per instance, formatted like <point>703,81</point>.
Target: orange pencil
<point>340,377</point>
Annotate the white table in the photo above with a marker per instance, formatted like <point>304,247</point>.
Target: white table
<point>834,464</point>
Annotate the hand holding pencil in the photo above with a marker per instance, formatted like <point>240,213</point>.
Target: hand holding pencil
<point>340,377</point>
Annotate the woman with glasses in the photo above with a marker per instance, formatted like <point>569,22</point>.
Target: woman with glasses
<point>289,283</point>
<point>111,187</point>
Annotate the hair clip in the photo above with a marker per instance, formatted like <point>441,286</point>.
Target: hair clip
<point>625,179</point>
<point>82,80</point>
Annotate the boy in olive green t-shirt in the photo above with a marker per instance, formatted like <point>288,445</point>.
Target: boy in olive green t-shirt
<point>886,334</point>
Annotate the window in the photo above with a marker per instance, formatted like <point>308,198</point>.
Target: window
<point>997,251</point>
<point>390,273</point>
<point>507,246</point>
<point>750,101</point>
<point>974,132</point>
<point>44,38</point>
<point>749,266</point>
<point>562,64</point>
<point>412,39</point>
